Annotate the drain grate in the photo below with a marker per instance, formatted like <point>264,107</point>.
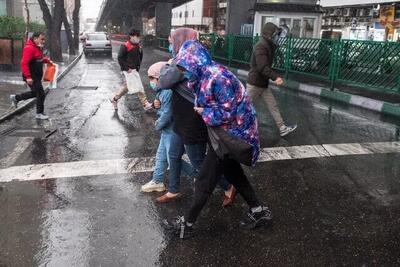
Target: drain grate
<point>85,87</point>
<point>28,132</point>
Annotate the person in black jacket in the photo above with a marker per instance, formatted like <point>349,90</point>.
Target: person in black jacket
<point>129,58</point>
<point>261,71</point>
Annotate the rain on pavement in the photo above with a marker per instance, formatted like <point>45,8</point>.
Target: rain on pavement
<point>342,210</point>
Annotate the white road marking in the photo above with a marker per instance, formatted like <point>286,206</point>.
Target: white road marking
<point>21,145</point>
<point>140,165</point>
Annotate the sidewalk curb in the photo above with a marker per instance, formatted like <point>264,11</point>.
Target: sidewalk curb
<point>355,100</point>
<point>28,103</point>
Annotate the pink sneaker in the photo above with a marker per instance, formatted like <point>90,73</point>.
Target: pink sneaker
<point>114,102</point>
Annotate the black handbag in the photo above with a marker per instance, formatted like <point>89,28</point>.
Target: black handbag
<point>226,145</point>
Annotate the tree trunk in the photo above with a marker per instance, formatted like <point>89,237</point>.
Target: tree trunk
<point>76,23</point>
<point>53,25</point>
<point>71,47</point>
<point>27,20</point>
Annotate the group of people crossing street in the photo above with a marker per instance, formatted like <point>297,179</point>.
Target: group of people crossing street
<point>203,110</point>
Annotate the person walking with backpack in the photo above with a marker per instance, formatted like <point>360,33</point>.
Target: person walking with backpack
<point>32,73</point>
<point>261,71</point>
<point>130,58</point>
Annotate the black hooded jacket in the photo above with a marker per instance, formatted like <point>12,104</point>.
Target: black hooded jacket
<point>262,58</point>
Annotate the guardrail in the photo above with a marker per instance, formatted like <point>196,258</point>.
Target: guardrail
<point>374,65</point>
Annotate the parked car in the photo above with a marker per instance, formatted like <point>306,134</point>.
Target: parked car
<point>97,42</point>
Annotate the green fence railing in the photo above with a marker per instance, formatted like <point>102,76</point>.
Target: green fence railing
<point>163,43</point>
<point>372,65</point>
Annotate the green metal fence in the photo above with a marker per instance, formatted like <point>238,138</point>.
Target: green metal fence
<point>372,65</point>
<point>163,43</point>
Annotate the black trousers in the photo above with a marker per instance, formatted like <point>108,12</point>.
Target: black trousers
<point>211,170</point>
<point>36,91</point>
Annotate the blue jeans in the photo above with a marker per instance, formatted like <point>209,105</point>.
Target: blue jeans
<point>163,160</point>
<point>196,154</point>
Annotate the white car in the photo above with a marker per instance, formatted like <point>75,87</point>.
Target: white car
<point>97,42</point>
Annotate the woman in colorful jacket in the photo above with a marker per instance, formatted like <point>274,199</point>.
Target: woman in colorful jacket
<point>190,132</point>
<point>222,101</point>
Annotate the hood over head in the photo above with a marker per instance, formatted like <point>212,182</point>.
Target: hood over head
<point>193,57</point>
<point>181,35</point>
<point>155,69</point>
<point>268,30</point>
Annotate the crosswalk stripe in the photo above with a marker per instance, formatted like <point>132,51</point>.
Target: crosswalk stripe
<point>146,164</point>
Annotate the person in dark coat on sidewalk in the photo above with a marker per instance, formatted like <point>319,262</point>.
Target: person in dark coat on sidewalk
<point>261,71</point>
<point>32,73</point>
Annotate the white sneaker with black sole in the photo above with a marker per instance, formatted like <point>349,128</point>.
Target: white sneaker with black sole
<point>287,129</point>
<point>41,116</point>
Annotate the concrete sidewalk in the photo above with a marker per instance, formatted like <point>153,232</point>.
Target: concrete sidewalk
<point>11,83</point>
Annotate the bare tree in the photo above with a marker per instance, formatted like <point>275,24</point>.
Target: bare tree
<point>53,24</point>
<point>68,32</point>
<point>27,19</point>
<point>75,16</point>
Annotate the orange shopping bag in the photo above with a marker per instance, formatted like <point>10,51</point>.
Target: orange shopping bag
<point>49,73</point>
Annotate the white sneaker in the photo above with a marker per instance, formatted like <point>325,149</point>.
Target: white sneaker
<point>41,116</point>
<point>285,130</point>
<point>14,101</point>
<point>153,187</point>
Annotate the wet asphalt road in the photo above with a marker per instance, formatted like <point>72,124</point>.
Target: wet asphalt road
<point>328,211</point>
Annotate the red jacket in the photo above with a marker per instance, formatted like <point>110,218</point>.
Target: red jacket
<point>32,61</point>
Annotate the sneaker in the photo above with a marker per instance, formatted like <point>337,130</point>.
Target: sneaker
<point>178,226</point>
<point>14,101</point>
<point>256,219</point>
<point>153,187</point>
<point>148,106</point>
<point>285,130</point>
<point>41,116</point>
<point>114,102</point>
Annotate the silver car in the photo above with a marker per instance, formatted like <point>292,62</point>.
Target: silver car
<point>97,42</point>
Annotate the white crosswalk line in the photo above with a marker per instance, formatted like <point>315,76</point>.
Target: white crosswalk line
<point>139,165</point>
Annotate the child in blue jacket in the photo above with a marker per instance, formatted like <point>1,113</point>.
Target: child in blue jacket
<point>164,125</point>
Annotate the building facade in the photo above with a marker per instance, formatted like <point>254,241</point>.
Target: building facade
<point>363,19</point>
<point>11,8</point>
<point>196,14</point>
<point>303,17</point>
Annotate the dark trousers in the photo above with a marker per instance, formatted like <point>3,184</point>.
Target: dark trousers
<point>36,91</point>
<point>211,170</point>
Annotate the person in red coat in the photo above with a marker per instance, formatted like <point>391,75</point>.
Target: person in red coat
<point>32,72</point>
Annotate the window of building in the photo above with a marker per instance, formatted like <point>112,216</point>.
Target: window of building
<point>308,28</point>
<point>296,28</point>
<point>186,14</point>
<point>285,21</point>
<point>192,13</point>
<point>266,19</point>
<point>180,14</point>
<point>3,8</point>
